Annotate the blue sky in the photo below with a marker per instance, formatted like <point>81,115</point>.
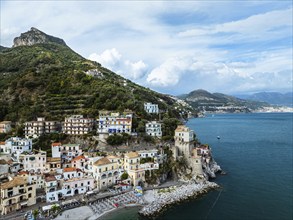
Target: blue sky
<point>234,47</point>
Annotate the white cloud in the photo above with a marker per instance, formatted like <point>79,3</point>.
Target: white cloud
<point>170,46</point>
<point>109,58</point>
<point>114,61</point>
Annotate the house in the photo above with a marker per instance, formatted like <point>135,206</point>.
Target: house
<point>154,129</point>
<point>4,148</point>
<point>34,162</point>
<point>15,194</point>
<point>106,173</point>
<point>78,125</point>
<point>72,172</point>
<point>5,126</point>
<point>147,153</point>
<point>34,129</point>
<point>114,122</point>
<point>66,151</point>
<point>79,162</point>
<point>151,108</point>
<point>75,186</point>
<point>132,167</point>
<point>51,189</point>
<point>53,163</point>
<point>17,145</point>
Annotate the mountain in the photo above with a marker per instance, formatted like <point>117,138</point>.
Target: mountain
<point>41,76</point>
<point>206,101</point>
<point>274,98</point>
<point>35,36</point>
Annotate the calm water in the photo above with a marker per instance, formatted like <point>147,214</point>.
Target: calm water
<point>256,152</point>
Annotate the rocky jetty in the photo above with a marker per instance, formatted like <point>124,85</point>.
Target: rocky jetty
<point>168,196</point>
<point>35,36</point>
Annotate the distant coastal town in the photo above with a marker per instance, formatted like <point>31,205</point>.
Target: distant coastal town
<point>68,176</point>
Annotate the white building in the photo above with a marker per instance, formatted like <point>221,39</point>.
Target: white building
<point>4,148</point>
<point>78,125</point>
<point>18,145</point>
<point>113,122</point>
<point>5,126</point>
<point>151,108</point>
<point>148,153</point>
<point>66,151</point>
<point>34,162</point>
<point>36,128</point>
<point>154,129</point>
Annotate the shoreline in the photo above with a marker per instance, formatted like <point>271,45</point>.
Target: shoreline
<point>172,195</point>
<point>156,201</point>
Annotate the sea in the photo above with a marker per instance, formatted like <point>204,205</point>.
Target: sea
<point>255,151</point>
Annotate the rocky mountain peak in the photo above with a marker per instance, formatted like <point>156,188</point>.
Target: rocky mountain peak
<point>35,36</point>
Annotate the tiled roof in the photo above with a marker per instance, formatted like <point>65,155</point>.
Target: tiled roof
<point>132,155</point>
<point>56,144</point>
<point>2,143</point>
<point>50,178</point>
<point>17,181</point>
<point>102,161</point>
<point>181,128</point>
<point>78,158</point>
<point>69,169</point>
<point>22,172</point>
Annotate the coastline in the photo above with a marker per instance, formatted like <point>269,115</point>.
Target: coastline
<point>158,200</point>
<point>155,201</point>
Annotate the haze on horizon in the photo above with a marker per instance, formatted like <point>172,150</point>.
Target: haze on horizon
<point>233,47</point>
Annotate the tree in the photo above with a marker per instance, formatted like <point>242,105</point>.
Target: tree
<point>124,176</point>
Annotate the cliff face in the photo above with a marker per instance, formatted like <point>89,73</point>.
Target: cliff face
<point>35,36</point>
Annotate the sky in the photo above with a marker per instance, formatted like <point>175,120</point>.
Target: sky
<point>174,47</point>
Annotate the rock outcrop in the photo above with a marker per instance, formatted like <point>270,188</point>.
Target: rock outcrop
<point>168,196</point>
<point>35,36</point>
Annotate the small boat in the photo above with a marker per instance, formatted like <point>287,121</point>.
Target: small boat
<point>223,173</point>
<point>218,137</point>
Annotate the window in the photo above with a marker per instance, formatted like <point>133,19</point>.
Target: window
<point>88,182</point>
<point>30,188</point>
<point>29,195</point>
<point>75,185</point>
<point>81,184</point>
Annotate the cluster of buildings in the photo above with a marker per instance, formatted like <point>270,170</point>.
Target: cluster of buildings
<point>68,172</point>
<point>71,171</point>
<point>107,123</point>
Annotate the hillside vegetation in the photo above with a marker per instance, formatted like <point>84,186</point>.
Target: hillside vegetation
<point>49,79</point>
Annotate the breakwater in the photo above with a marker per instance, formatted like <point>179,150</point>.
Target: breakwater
<point>171,195</point>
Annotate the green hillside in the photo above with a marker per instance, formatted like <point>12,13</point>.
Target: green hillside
<point>204,100</point>
<point>49,79</point>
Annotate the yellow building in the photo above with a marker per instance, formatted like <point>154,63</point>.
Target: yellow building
<point>105,172</point>
<point>131,166</point>
<point>16,194</point>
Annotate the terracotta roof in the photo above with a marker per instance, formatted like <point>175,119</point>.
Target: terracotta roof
<point>69,169</point>
<point>2,143</point>
<point>50,178</point>
<point>78,158</point>
<point>56,144</point>
<point>102,161</point>
<point>17,181</point>
<point>53,159</point>
<point>181,128</point>
<point>22,172</point>
<point>132,155</point>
